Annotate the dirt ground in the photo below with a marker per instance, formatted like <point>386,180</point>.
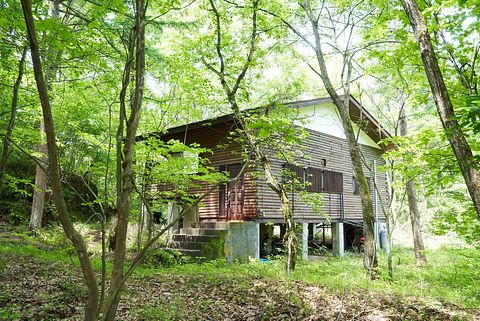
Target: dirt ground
<point>32,289</point>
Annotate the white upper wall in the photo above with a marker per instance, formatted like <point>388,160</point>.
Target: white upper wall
<point>324,118</point>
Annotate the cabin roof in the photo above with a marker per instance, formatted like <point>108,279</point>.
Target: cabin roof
<point>358,114</point>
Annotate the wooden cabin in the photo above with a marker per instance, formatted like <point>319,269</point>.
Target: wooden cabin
<point>243,218</point>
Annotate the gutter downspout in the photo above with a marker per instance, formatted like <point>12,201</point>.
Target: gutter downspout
<point>375,201</point>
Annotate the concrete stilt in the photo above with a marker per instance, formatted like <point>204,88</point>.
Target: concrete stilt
<point>383,237</point>
<point>172,214</point>
<point>314,229</point>
<point>242,241</point>
<point>338,239</point>
<point>304,242</point>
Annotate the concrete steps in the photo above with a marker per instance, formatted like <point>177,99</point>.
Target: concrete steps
<point>193,238</point>
<point>191,253</point>
<point>203,239</point>
<point>202,231</point>
<point>188,245</point>
<point>210,225</point>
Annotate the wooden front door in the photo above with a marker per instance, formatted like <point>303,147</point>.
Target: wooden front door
<point>232,195</point>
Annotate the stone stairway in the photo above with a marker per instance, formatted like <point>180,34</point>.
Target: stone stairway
<point>201,240</point>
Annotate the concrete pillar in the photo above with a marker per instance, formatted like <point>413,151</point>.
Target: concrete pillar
<point>314,230</point>
<point>242,241</point>
<point>191,217</point>
<point>383,237</point>
<point>304,243</point>
<point>338,239</point>
<point>172,214</point>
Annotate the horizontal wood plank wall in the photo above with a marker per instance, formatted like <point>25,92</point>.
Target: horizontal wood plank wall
<point>334,150</point>
<point>210,137</point>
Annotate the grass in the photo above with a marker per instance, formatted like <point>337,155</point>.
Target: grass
<point>452,274</point>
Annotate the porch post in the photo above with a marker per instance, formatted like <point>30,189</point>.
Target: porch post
<point>338,239</point>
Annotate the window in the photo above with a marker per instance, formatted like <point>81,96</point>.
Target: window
<point>333,182</point>
<point>316,179</point>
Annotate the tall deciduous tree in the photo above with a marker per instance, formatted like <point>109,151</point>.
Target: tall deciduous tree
<point>117,281</point>
<point>453,130</point>
<point>418,245</point>
<point>231,91</point>
<point>126,155</point>
<point>13,114</point>
<point>54,169</point>
<point>38,201</point>
<point>342,104</point>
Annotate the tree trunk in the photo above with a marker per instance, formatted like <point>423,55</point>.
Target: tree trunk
<point>370,259</point>
<point>124,198</point>
<point>413,205</point>
<point>390,222</point>
<point>141,255</point>
<point>453,131</point>
<point>38,202</point>
<point>290,237</point>
<point>54,170</point>
<point>416,227</point>
<point>13,115</point>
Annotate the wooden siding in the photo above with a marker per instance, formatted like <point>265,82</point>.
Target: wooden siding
<point>211,137</point>
<point>319,146</point>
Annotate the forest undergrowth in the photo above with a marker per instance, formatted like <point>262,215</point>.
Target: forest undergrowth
<point>40,280</point>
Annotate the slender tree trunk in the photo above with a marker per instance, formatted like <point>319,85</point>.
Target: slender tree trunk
<point>13,115</point>
<point>54,171</point>
<point>456,137</point>
<point>390,222</point>
<point>290,238</point>
<point>38,202</point>
<point>370,259</point>
<point>124,198</point>
<point>415,221</point>
<point>413,205</point>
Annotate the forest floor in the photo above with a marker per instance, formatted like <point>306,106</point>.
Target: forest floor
<point>39,281</point>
